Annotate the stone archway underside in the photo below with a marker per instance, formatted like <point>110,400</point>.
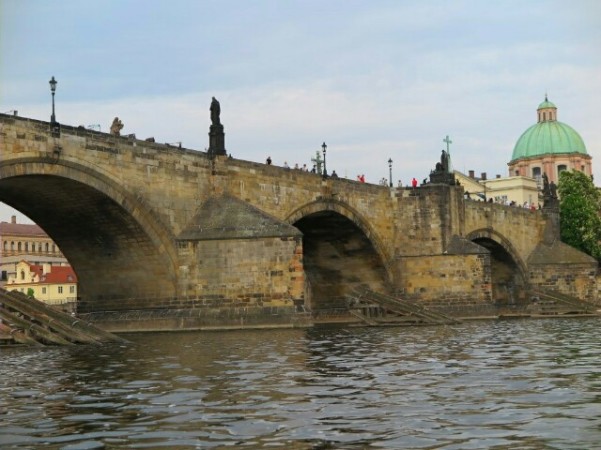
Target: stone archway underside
<point>338,256</point>
<point>113,256</point>
<point>508,282</point>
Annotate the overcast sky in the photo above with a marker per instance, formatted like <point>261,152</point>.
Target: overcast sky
<point>373,79</point>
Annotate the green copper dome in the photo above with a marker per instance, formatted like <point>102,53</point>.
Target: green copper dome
<point>548,136</point>
<point>546,104</point>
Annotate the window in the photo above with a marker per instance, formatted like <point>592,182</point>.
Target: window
<point>60,289</point>
<point>27,247</point>
<point>18,246</point>
<point>561,168</point>
<point>43,290</point>
<point>5,245</point>
<point>22,274</point>
<point>47,247</point>
<point>71,289</point>
<point>12,246</point>
<point>4,276</point>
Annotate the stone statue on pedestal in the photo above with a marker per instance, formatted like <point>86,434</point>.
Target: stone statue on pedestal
<point>216,134</point>
<point>441,173</point>
<point>550,200</point>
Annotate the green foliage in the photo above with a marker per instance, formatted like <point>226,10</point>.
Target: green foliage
<point>30,292</point>
<point>580,203</point>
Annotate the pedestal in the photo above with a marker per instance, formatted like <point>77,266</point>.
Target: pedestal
<point>216,140</point>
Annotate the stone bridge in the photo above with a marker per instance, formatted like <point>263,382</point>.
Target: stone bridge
<point>153,226</point>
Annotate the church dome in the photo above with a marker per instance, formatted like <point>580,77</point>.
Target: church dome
<point>548,136</point>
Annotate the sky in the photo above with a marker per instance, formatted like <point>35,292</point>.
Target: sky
<point>373,79</point>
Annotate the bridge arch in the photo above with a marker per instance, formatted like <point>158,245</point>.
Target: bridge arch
<point>114,241</point>
<point>508,270</point>
<point>341,251</point>
<point>502,241</point>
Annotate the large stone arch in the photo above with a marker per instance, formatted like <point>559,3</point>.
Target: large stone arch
<point>353,215</point>
<point>488,233</point>
<point>509,279</point>
<point>341,251</point>
<point>119,248</point>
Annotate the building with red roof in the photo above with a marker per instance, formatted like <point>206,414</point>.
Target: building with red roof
<point>55,285</point>
<point>29,242</point>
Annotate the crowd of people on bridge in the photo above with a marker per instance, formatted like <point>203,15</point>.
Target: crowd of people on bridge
<point>316,169</point>
<point>502,200</point>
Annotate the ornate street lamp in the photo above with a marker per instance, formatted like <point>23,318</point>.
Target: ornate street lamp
<point>325,172</point>
<point>390,171</point>
<point>53,83</point>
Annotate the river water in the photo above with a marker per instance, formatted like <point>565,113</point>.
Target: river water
<point>523,384</point>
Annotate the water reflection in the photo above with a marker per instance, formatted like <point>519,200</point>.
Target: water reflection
<point>515,384</point>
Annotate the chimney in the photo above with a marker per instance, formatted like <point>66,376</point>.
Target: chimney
<point>13,219</point>
<point>483,176</point>
<point>471,173</point>
<point>46,269</point>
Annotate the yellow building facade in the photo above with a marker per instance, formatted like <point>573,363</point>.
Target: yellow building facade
<point>55,285</point>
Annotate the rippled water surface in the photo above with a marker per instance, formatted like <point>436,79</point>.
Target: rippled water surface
<point>528,384</point>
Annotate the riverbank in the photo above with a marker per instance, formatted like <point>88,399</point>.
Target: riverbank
<point>193,320</point>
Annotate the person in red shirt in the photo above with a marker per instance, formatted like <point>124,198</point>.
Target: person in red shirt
<point>414,183</point>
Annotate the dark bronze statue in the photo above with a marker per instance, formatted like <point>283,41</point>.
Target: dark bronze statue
<point>546,189</point>
<point>216,134</point>
<point>215,112</point>
<point>442,172</point>
<point>444,162</point>
<point>553,190</point>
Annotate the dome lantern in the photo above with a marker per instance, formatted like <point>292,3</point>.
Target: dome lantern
<point>547,111</point>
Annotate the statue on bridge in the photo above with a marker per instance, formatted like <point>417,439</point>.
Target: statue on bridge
<point>444,162</point>
<point>216,134</point>
<point>116,127</point>
<point>215,111</point>
<point>549,193</point>
<point>442,173</point>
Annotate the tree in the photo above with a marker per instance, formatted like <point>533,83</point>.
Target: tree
<point>579,206</point>
<point>30,292</point>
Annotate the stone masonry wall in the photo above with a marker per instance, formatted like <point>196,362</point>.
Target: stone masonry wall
<point>245,272</point>
<point>576,280</point>
<point>459,284</point>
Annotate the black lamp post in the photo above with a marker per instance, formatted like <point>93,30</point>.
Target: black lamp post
<point>53,83</point>
<point>390,171</point>
<point>325,172</point>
